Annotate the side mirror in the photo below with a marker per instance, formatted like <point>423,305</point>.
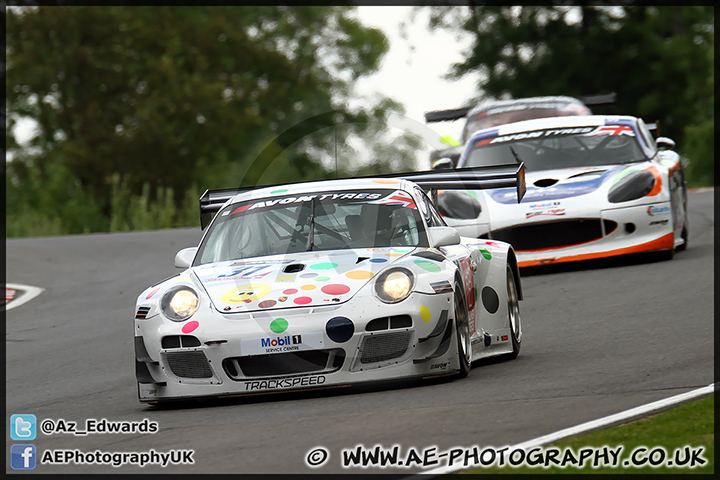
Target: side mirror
<point>184,257</point>
<point>442,236</point>
<point>442,164</point>
<point>665,143</point>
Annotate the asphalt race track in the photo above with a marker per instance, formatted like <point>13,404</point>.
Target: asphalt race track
<point>598,339</point>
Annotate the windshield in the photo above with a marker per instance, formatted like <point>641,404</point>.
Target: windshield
<point>488,119</point>
<point>313,221</point>
<point>559,148</point>
<point>516,111</point>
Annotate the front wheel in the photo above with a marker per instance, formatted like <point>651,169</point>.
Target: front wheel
<point>514,321</point>
<point>462,332</point>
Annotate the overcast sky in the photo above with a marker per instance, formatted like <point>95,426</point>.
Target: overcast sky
<point>412,70</point>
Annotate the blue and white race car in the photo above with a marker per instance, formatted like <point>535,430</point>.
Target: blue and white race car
<point>328,283</point>
<point>597,186</point>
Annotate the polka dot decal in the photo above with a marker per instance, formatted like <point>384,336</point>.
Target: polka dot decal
<point>335,289</point>
<point>324,266</point>
<point>190,326</point>
<point>267,304</point>
<point>425,314</point>
<point>279,325</point>
<point>428,265</point>
<point>256,285</point>
<point>340,329</point>
<point>359,274</point>
<point>302,300</point>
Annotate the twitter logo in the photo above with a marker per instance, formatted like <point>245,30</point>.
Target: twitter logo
<point>23,427</point>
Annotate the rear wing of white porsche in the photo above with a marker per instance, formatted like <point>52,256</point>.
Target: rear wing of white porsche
<point>470,178</point>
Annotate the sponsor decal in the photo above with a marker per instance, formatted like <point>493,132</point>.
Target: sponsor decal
<point>398,197</point>
<point>441,366</point>
<point>285,383</point>
<point>538,134</point>
<point>556,212</point>
<point>251,272</point>
<point>263,262</point>
<point>614,130</point>
<point>536,206</point>
<point>281,343</point>
<point>653,210</point>
<point>659,222</point>
<point>307,198</point>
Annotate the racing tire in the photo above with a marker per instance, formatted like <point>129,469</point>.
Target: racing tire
<point>684,236</point>
<point>462,333</point>
<point>514,321</point>
<point>666,254</point>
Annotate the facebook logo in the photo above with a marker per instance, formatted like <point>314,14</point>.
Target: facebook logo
<point>23,426</point>
<point>22,457</point>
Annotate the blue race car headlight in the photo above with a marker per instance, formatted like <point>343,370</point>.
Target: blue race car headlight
<point>634,185</point>
<point>394,285</point>
<point>179,303</point>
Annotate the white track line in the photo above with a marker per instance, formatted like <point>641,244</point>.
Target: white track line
<point>29,292</point>
<point>593,425</point>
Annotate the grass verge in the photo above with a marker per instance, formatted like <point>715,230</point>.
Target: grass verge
<point>677,435</point>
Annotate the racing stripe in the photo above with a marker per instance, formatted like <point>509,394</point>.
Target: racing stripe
<point>658,181</point>
<point>664,242</point>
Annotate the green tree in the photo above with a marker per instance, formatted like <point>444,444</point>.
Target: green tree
<point>655,58</point>
<point>173,97</point>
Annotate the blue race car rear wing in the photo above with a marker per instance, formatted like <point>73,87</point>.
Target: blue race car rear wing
<point>470,178</point>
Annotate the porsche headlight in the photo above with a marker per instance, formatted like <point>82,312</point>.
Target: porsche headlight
<point>179,303</point>
<point>394,285</point>
<point>633,186</point>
